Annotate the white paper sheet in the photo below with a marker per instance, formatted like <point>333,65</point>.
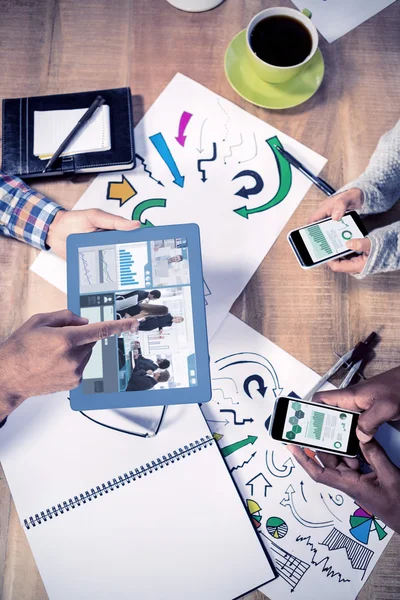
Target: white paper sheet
<point>233,244</point>
<point>180,531</point>
<point>311,540</point>
<point>51,127</point>
<point>335,18</point>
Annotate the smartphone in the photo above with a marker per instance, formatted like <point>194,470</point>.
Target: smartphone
<point>315,426</point>
<point>325,240</point>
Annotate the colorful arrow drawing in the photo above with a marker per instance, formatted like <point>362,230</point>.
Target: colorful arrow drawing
<point>230,410</point>
<point>201,160</point>
<point>338,499</point>
<point>327,507</point>
<point>286,469</point>
<point>288,500</point>
<point>225,422</point>
<point>248,357</point>
<point>146,170</point>
<point>145,205</point>
<point>261,387</point>
<point>285,182</point>
<point>183,123</point>
<point>253,191</point>
<point>120,190</point>
<point>302,491</point>
<point>233,146</point>
<point>245,462</point>
<point>255,151</point>
<point>200,150</point>
<point>227,450</point>
<point>261,481</point>
<point>163,150</point>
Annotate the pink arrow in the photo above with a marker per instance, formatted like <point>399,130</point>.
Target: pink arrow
<point>185,118</point>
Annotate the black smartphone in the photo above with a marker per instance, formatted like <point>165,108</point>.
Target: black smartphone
<point>325,240</point>
<point>315,426</point>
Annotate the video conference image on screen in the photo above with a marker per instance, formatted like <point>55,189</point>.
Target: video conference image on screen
<point>151,282</point>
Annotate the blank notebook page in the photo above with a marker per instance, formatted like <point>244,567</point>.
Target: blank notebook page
<point>179,531</point>
<point>51,127</point>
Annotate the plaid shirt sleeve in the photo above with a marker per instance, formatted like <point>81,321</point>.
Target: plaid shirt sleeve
<point>25,214</point>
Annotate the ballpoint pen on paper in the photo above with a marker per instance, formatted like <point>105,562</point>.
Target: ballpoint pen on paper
<point>320,183</point>
<point>78,127</point>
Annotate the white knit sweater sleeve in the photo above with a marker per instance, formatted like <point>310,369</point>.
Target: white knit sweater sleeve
<point>380,181</point>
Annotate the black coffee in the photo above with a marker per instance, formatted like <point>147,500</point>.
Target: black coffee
<point>281,41</point>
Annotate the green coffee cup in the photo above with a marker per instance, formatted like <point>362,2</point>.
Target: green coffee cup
<point>270,72</point>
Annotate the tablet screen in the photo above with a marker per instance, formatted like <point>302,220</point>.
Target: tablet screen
<point>148,280</point>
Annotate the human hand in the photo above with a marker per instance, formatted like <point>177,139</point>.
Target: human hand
<point>355,264</point>
<point>378,398</point>
<point>83,221</point>
<point>336,206</point>
<point>48,354</point>
<point>377,491</point>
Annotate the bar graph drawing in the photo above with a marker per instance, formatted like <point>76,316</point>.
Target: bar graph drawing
<point>289,567</point>
<point>317,424</point>
<point>127,273</point>
<point>320,240</point>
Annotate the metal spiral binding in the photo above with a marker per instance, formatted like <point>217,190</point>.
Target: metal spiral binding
<point>118,482</point>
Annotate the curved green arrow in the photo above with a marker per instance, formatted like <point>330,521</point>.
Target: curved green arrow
<point>285,182</point>
<point>142,206</point>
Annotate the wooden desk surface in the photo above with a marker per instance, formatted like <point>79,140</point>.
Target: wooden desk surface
<point>55,46</point>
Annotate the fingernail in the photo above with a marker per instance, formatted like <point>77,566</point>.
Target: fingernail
<point>356,245</point>
<point>336,215</point>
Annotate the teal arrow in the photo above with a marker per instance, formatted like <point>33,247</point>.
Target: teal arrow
<point>162,148</point>
<point>285,182</point>
<point>146,204</point>
<point>237,445</point>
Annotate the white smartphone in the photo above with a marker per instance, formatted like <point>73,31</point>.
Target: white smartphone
<point>326,239</point>
<point>315,426</point>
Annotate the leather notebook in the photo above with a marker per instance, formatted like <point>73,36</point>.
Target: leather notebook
<point>112,133</point>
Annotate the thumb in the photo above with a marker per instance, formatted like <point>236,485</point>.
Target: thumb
<point>361,245</point>
<point>375,455</point>
<point>104,220</point>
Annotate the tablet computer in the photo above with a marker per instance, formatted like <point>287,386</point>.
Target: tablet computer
<point>155,275</point>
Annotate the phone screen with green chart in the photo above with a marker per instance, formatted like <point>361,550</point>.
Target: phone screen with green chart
<point>328,238</point>
<point>315,424</point>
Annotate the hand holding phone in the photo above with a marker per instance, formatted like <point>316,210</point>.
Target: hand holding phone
<point>315,426</point>
<point>326,240</point>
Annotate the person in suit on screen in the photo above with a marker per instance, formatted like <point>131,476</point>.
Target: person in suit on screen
<point>144,381</point>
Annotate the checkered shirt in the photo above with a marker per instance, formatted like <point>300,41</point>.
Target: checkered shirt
<point>24,213</point>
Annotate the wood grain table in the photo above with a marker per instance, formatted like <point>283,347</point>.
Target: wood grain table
<point>56,46</point>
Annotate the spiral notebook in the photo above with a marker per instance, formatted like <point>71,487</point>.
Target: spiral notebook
<point>111,515</point>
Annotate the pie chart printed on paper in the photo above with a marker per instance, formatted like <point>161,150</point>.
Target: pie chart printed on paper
<point>362,523</point>
<point>255,512</point>
<point>276,527</point>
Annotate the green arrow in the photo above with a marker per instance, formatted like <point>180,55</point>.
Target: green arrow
<point>237,445</point>
<point>285,182</point>
<point>142,206</point>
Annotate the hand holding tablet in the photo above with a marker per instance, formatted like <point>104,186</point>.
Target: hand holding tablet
<point>151,279</point>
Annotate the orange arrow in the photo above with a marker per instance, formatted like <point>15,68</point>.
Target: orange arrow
<point>120,190</point>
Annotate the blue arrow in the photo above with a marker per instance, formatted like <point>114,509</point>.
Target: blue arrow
<point>161,146</point>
